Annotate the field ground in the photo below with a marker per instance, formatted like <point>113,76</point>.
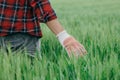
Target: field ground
<point>95,23</point>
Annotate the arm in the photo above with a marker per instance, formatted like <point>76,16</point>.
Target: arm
<point>55,26</point>
<point>69,43</point>
<point>46,14</point>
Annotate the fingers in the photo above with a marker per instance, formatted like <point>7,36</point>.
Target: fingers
<point>68,51</point>
<point>81,47</point>
<point>77,50</point>
<point>74,47</point>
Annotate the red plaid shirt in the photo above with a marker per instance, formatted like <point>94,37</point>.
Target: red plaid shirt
<point>24,16</point>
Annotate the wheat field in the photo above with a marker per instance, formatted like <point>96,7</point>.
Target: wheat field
<point>94,23</point>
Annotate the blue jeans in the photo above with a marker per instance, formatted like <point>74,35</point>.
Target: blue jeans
<point>20,42</point>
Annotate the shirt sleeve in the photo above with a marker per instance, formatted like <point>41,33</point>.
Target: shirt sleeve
<point>43,10</point>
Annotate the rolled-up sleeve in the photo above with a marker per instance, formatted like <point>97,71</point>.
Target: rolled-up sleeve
<point>43,10</point>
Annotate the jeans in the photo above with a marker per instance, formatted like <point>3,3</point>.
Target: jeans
<point>20,42</point>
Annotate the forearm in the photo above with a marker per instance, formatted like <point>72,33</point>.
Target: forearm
<point>55,26</point>
<point>68,42</point>
<point>58,30</point>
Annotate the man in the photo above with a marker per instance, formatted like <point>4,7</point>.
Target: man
<point>19,26</point>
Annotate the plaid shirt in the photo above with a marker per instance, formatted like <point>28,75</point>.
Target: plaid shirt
<point>24,16</point>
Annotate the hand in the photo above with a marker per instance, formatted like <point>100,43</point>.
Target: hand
<point>73,46</point>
